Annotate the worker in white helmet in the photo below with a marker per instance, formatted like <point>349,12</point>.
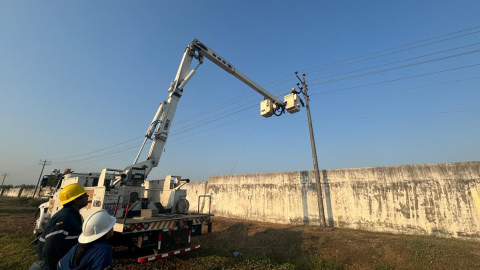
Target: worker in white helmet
<point>92,252</point>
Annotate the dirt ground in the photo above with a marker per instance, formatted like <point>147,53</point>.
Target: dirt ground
<point>263,246</point>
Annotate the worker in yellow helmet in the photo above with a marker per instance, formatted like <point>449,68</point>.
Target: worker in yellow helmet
<point>63,229</point>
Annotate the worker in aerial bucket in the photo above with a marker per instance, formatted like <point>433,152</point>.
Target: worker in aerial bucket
<point>63,229</point>
<point>92,252</point>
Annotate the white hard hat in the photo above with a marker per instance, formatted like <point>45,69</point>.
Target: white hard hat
<point>97,225</point>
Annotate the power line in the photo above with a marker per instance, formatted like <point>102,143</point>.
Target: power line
<point>330,119</point>
<point>394,52</point>
<point>404,78</point>
<point>406,114</point>
<point>101,155</point>
<point>245,146</point>
<point>177,128</point>
<point>340,61</point>
<point>384,50</point>
<point>180,139</point>
<point>398,67</point>
<point>282,126</point>
<point>376,72</point>
<point>401,46</point>
<point>329,102</point>
<point>380,93</point>
<point>25,169</point>
<point>394,91</point>
<point>35,170</point>
<point>234,138</point>
<point>361,56</point>
<point>234,100</point>
<point>113,151</point>
<point>360,86</point>
<point>404,60</point>
<point>136,138</point>
<point>220,132</point>
<point>214,120</point>
<point>229,123</point>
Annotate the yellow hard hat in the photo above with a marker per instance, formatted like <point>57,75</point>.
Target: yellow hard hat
<point>70,193</point>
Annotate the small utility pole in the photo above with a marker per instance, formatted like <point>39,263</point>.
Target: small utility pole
<point>304,90</point>
<point>4,175</point>
<point>44,162</point>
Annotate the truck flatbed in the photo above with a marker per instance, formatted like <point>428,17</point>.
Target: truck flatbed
<point>161,222</point>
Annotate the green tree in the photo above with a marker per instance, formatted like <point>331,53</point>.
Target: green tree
<point>54,179</point>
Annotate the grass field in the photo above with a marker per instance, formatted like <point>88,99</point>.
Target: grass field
<point>263,246</point>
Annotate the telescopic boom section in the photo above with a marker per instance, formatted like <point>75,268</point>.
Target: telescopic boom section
<point>162,121</point>
<point>219,61</point>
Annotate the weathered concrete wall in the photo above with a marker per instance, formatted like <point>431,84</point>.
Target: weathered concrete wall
<point>26,192</point>
<point>430,199</point>
<point>13,192</point>
<point>196,189</point>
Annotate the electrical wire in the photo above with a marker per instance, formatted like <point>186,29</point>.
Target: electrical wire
<point>401,46</point>
<point>245,146</point>
<point>379,71</point>
<point>344,89</point>
<point>404,60</point>
<point>395,91</point>
<point>24,169</point>
<point>209,136</point>
<point>101,155</point>
<point>236,121</point>
<point>418,87</point>
<point>108,147</point>
<point>107,154</point>
<point>214,120</point>
<point>396,68</point>
<point>213,109</point>
<point>179,127</point>
<point>406,114</point>
<point>227,103</point>
<point>106,157</point>
<point>389,81</point>
<point>331,119</point>
<point>379,93</point>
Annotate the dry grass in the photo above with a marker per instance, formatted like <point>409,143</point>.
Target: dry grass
<point>16,231</point>
<point>264,246</point>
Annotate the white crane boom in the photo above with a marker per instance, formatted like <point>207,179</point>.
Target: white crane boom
<point>163,118</point>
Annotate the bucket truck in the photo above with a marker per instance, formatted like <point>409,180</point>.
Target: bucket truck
<point>156,213</point>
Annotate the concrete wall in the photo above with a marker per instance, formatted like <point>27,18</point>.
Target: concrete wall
<point>194,190</point>
<point>428,199</point>
<point>26,192</point>
<point>12,192</point>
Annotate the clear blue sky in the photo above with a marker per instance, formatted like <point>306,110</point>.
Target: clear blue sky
<point>79,76</point>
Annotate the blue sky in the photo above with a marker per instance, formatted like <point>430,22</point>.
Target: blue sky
<point>80,76</point>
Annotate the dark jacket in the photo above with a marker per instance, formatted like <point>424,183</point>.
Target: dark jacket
<point>60,235</point>
<point>97,257</point>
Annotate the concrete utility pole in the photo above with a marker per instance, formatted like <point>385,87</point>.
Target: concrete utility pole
<point>4,175</point>
<point>304,90</point>
<point>40,177</point>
